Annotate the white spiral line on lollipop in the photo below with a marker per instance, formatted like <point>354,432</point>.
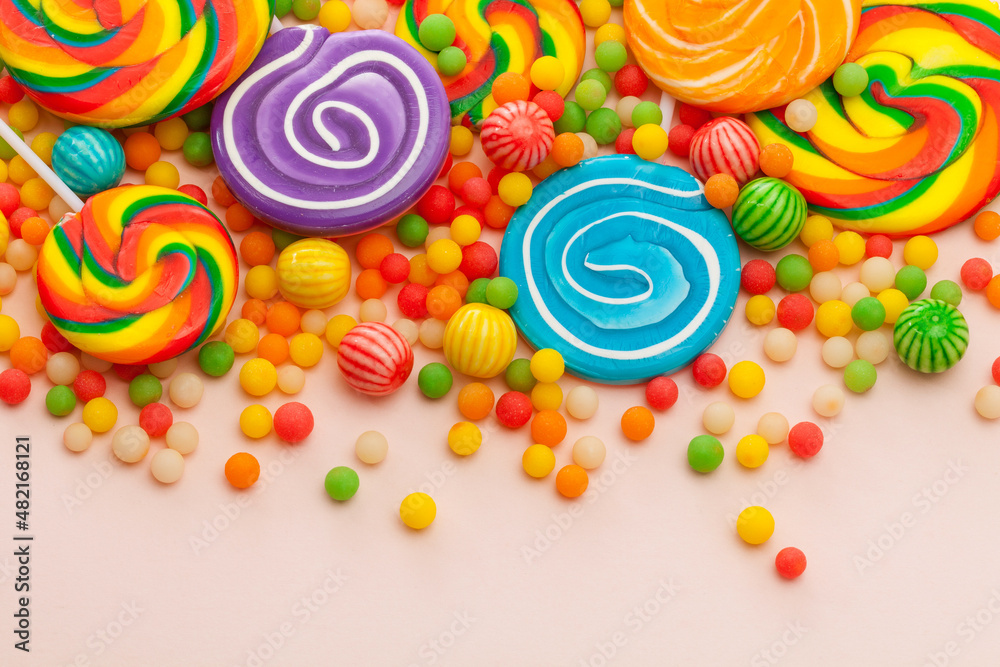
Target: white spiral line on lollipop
<point>697,240</point>
<point>357,58</point>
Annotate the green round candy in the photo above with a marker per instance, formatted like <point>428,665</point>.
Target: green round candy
<point>305,10</point>
<point>145,389</point>
<point>198,119</point>
<point>434,380</point>
<point>850,80</point>
<point>911,281</point>
<point>341,483</point>
<point>646,113</point>
<point>283,239</point>
<point>705,453</point>
<point>436,31</point>
<point>769,214</point>
<point>860,376</point>
<point>793,272</point>
<point>518,376</point>
<point>6,151</point>
<point>930,336</point>
<point>60,400</point>
<point>198,149</point>
<point>501,293</point>
<point>616,3</point>
<point>451,61</point>
<point>610,56</point>
<point>477,290</point>
<point>590,94</point>
<point>868,313</point>
<point>604,126</point>
<point>947,291</point>
<point>599,75</point>
<point>216,358</point>
<point>282,7</point>
<point>573,119</point>
<point>411,230</point>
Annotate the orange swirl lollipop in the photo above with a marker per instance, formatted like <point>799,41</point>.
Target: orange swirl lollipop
<point>735,56</point>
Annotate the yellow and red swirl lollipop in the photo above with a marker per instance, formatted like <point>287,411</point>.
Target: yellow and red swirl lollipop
<point>919,150</point>
<point>499,36</point>
<point>116,63</point>
<point>140,275</point>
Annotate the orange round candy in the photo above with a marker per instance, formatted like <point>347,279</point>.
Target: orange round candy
<point>28,354</point>
<point>510,87</point>
<point>420,272</point>
<point>238,219</point>
<point>274,348</point>
<point>34,230</point>
<point>497,213</point>
<point>548,428</point>
<point>283,318</point>
<point>545,168</point>
<point>455,279</point>
<point>475,401</point>
<point>221,193</point>
<point>372,249</point>
<point>242,470</point>
<point>141,150</point>
<point>443,301</point>
<point>567,149</point>
<point>987,225</point>
<point>637,423</point>
<point>254,310</point>
<point>370,284</point>
<point>257,248</point>
<point>572,481</point>
<point>992,292</point>
<point>824,255</point>
<point>721,190</point>
<point>776,160</point>
<point>460,173</point>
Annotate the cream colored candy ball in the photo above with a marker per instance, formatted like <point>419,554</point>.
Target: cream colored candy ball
<point>167,466</point>
<point>130,443</point>
<point>581,402</point>
<point>988,401</point>
<point>878,273</point>
<point>186,390</point>
<point>624,109</point>
<point>828,400</point>
<point>589,452</point>
<point>854,292</point>
<point>21,255</point>
<point>8,278</point>
<point>77,437</point>
<point>718,417</point>
<point>773,427</point>
<point>371,447</point>
<point>92,363</point>
<point>372,310</point>
<point>370,14</point>
<point>825,286</point>
<point>589,145</point>
<point>62,368</point>
<point>780,344</point>
<point>432,333</point>
<point>183,437</point>
<point>291,379</point>
<point>436,234</point>
<point>314,322</point>
<point>164,369</point>
<point>873,346</point>
<point>801,115</point>
<point>408,329</point>
<point>837,352</point>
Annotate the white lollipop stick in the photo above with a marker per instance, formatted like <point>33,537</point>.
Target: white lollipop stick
<point>667,105</point>
<point>40,167</point>
<point>275,25</point>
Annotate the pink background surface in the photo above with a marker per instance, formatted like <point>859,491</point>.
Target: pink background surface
<point>644,569</point>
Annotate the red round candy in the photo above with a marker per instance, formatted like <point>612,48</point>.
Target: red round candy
<point>374,359</point>
<point>412,301</point>
<point>293,422</point>
<point>436,206</point>
<point>693,116</point>
<point>709,370</point>
<point>996,370</point>
<point>679,140</point>
<point>89,385</point>
<point>10,92</point>
<point>15,385</point>
<point>10,199</point>
<point>17,218</point>
<point>476,192</point>
<point>395,268</point>
<point>795,312</point>
<point>757,277</point>
<point>155,419</point>
<point>448,162</point>
<point>805,439</point>
<point>479,260</point>
<point>661,393</point>
<point>878,245</point>
<point>476,213</point>
<point>551,103</point>
<point>194,192</point>
<point>790,562</point>
<point>513,409</point>
<point>623,144</point>
<point>53,340</point>
<point>493,178</point>
<point>129,372</point>
<point>631,80</point>
<point>976,274</point>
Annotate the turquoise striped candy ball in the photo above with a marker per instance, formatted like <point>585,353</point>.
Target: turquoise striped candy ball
<point>769,213</point>
<point>930,336</point>
<point>88,160</point>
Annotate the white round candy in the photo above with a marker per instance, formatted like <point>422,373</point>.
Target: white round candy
<point>589,452</point>
<point>432,333</point>
<point>581,402</point>
<point>130,443</point>
<point>94,364</point>
<point>186,390</point>
<point>291,379</point>
<point>873,346</point>
<point>837,352</point>
<point>828,400</point>
<point>825,286</point>
<point>164,369</point>
<point>77,437</point>
<point>372,310</point>
<point>780,344</point>
<point>589,145</point>
<point>167,466</point>
<point>801,115</point>
<point>314,322</point>
<point>624,109</point>
<point>371,447</point>
<point>988,401</point>
<point>718,417</point>
<point>182,437</point>
<point>436,234</point>
<point>877,274</point>
<point>854,292</point>
<point>370,14</point>
<point>773,427</point>
<point>408,329</point>
<point>62,368</point>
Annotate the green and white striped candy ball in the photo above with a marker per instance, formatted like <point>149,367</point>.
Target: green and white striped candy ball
<point>769,213</point>
<point>930,336</point>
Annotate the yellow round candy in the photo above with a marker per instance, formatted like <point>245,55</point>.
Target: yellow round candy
<point>23,115</point>
<point>649,142</point>
<point>461,140</point>
<point>163,174</point>
<point>752,451</point>
<point>919,251</point>
<point>418,510</point>
<point>546,396</point>
<point>851,246</point>
<point>258,377</point>
<point>817,228</point>
<point>335,16</point>
<point>420,271</point>
<point>480,340</point>
<point>610,32</point>
<point>255,421</point>
<point>100,414</point>
<point>465,230</point>
<point>547,365</point>
<point>895,302</point>
<point>337,328</point>
<point>305,350</point>
<point>3,171</point>
<point>314,273</point>
<point>746,379</point>
<point>464,438</point>
<point>547,73</point>
<point>833,318</point>
<point>9,332</point>
<point>242,335</point>
<point>19,170</point>
<point>36,194</point>
<point>755,525</point>
<point>760,310</point>
<point>514,189</point>
<point>538,461</point>
<point>444,256</point>
<point>171,133</point>
<point>261,282</point>
<point>595,13</point>
<point>42,146</point>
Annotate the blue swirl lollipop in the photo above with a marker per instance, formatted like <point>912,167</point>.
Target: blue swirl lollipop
<point>623,267</point>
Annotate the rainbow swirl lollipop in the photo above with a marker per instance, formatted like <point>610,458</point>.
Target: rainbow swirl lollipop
<point>117,63</point>
<point>499,36</point>
<point>918,151</point>
<point>140,275</point>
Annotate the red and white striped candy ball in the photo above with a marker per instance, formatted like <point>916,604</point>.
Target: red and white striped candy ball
<point>517,135</point>
<point>375,359</point>
<point>725,146</point>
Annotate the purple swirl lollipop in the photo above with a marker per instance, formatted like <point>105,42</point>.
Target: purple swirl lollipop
<point>332,134</point>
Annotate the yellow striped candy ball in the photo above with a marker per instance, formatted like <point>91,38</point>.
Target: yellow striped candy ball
<point>314,273</point>
<point>480,340</point>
